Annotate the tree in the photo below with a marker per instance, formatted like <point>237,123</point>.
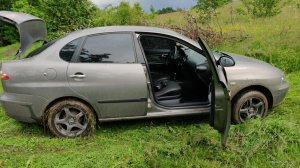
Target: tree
<point>152,9</point>
<point>123,14</point>
<point>61,16</point>
<point>137,14</point>
<point>166,10</point>
<point>8,33</point>
<point>67,15</point>
<point>207,9</point>
<point>5,4</point>
<point>262,8</point>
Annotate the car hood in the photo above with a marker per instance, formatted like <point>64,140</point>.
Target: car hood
<point>31,28</point>
<point>249,64</point>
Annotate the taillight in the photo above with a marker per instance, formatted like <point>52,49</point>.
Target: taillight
<point>4,76</point>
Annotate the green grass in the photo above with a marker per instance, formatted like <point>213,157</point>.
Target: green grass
<point>180,142</point>
<point>7,53</point>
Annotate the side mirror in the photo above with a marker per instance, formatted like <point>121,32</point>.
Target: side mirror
<point>226,61</point>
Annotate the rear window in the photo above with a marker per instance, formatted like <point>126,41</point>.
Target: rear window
<point>67,52</point>
<point>40,49</point>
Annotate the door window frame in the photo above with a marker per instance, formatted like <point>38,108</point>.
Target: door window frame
<point>80,40</point>
<point>75,58</point>
<point>138,35</point>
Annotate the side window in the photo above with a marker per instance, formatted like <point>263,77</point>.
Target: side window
<point>67,52</point>
<point>160,50</point>
<point>108,48</point>
<point>194,57</point>
<point>158,43</point>
<point>156,48</point>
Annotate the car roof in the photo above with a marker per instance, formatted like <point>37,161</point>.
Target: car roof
<point>136,29</point>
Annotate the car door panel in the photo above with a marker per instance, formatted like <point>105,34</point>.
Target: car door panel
<point>105,73</point>
<point>116,90</point>
<point>220,116</point>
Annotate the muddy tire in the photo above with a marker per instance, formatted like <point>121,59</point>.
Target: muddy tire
<point>71,118</point>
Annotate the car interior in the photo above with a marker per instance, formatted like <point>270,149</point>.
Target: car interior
<point>180,76</point>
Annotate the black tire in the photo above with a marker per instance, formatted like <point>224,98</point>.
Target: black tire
<point>71,118</point>
<point>243,109</point>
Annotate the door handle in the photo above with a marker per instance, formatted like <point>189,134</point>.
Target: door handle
<point>78,76</point>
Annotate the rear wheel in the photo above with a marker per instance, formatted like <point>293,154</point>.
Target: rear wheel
<point>250,104</point>
<point>71,118</point>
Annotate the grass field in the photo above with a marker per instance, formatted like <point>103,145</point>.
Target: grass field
<point>181,142</point>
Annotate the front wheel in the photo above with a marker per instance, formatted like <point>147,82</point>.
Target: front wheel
<point>71,118</point>
<point>250,104</point>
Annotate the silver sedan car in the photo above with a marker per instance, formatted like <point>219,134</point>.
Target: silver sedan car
<point>129,72</point>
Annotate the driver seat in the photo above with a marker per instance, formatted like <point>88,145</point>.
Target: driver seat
<point>159,79</point>
<point>169,91</point>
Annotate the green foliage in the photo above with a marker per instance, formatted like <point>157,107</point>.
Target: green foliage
<point>68,15</point>
<point>61,16</point>
<point>166,10</point>
<point>26,7</point>
<point>5,4</point>
<point>207,9</point>
<point>123,14</point>
<point>152,9</point>
<point>65,16</point>
<point>262,8</point>
<point>8,35</point>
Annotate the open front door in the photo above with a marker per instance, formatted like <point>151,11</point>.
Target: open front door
<point>220,116</point>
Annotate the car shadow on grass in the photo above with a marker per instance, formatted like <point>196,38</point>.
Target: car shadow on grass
<point>153,122</point>
<point>37,130</point>
<point>33,129</point>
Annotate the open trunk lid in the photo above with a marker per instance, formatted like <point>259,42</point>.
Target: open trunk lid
<point>31,28</point>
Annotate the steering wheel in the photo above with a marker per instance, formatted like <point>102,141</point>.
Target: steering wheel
<point>182,57</point>
<point>172,55</point>
<point>173,52</point>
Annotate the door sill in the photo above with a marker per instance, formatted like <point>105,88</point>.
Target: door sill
<point>174,113</point>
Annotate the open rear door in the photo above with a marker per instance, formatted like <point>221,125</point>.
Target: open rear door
<point>220,116</point>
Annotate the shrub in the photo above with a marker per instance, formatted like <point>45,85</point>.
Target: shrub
<point>262,8</point>
<point>207,9</point>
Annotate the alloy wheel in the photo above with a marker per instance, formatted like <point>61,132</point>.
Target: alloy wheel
<point>70,121</point>
<point>253,107</point>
